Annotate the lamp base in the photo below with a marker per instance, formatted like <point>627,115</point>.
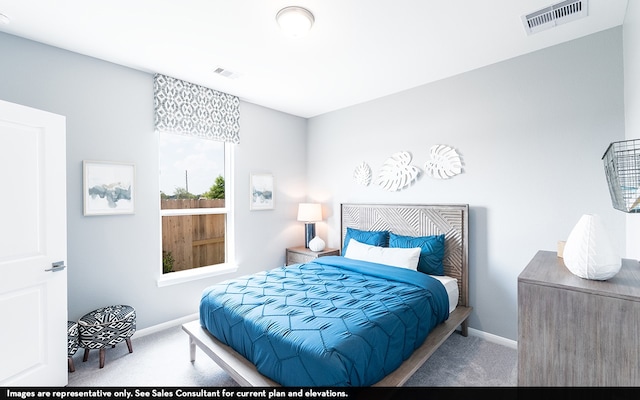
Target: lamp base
<point>309,233</point>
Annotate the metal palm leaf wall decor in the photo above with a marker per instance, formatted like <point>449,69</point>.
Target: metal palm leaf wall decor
<point>397,173</point>
<point>444,164</point>
<point>362,174</point>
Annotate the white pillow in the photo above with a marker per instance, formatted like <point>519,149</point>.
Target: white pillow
<point>395,256</point>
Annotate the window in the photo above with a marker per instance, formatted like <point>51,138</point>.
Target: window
<point>195,204</point>
<point>196,125</point>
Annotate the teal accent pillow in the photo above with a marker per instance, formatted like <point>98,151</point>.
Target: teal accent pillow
<point>431,251</point>
<point>373,238</point>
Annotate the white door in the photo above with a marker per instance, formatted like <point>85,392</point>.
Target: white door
<point>33,236</point>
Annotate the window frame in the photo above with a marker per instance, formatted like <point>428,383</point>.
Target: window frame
<point>229,265</point>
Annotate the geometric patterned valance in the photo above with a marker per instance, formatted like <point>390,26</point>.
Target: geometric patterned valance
<point>189,109</point>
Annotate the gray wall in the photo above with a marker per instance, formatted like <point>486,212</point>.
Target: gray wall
<point>531,131</point>
<point>109,113</point>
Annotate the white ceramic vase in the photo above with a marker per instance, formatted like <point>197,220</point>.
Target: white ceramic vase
<point>589,253</point>
<point>316,244</point>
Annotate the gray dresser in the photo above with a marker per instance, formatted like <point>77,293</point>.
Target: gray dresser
<point>574,331</point>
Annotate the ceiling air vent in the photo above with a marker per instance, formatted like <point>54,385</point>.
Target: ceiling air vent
<point>554,15</point>
<point>225,72</point>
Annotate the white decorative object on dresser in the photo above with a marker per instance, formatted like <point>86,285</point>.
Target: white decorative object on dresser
<point>588,252</point>
<point>574,331</point>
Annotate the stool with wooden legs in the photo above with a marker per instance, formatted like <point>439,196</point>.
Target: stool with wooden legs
<point>106,326</point>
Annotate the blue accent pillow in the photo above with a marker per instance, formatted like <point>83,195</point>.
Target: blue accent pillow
<point>373,238</point>
<point>431,251</point>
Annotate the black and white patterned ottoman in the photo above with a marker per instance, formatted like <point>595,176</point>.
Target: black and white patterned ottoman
<point>72,343</point>
<point>106,326</point>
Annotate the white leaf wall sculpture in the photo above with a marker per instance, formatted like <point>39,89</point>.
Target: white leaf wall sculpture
<point>362,174</point>
<point>397,173</point>
<point>445,162</point>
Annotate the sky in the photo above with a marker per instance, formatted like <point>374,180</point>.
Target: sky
<point>201,159</point>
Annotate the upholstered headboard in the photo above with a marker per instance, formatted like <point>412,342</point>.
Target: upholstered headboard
<point>419,220</point>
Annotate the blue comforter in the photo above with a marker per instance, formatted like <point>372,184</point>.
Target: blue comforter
<point>332,322</point>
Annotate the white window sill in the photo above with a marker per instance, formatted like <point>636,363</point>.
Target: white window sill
<point>175,278</point>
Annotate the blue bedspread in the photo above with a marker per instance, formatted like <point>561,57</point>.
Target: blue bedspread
<point>331,322</point>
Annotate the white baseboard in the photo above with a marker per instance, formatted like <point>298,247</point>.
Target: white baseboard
<point>165,325</point>
<point>489,337</point>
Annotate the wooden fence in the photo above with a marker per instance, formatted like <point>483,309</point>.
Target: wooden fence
<point>194,240</point>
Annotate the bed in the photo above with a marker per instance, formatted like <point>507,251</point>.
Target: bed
<point>368,352</point>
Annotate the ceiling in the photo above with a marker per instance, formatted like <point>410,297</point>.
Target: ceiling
<point>357,50</point>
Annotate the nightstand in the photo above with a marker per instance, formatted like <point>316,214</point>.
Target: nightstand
<point>296,255</point>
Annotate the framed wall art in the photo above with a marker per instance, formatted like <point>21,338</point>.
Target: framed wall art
<point>261,192</point>
<point>108,187</point>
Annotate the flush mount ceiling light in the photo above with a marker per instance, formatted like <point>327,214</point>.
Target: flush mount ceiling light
<point>295,21</point>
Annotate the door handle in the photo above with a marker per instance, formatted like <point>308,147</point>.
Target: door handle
<point>57,266</point>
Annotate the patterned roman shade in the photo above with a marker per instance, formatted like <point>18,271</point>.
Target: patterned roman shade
<point>189,109</point>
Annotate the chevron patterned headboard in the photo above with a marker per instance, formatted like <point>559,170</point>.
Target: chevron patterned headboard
<point>419,220</point>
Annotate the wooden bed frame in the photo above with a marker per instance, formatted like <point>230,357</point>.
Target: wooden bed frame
<point>402,219</point>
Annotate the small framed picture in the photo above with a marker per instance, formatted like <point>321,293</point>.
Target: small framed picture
<point>261,192</point>
<point>109,187</point>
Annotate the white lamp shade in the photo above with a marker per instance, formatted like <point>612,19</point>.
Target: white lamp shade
<point>309,212</point>
<point>589,252</point>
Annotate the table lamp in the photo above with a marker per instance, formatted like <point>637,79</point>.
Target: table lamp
<point>309,213</point>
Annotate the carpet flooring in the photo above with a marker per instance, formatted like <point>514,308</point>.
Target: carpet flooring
<point>161,359</point>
